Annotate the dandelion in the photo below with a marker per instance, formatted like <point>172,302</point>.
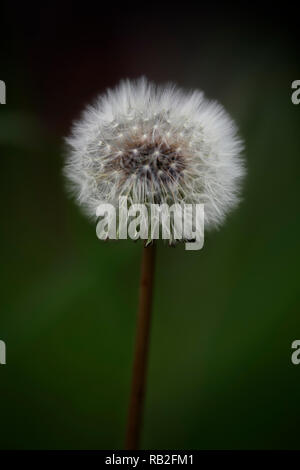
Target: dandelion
<point>158,145</point>
<point>155,145</point>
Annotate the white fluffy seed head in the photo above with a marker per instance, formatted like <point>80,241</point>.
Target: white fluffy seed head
<point>155,145</point>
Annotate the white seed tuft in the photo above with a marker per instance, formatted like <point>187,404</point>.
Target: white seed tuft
<point>119,148</point>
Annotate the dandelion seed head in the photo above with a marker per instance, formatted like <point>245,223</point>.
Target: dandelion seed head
<point>155,144</point>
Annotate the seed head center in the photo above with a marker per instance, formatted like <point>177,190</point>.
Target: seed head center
<point>153,161</point>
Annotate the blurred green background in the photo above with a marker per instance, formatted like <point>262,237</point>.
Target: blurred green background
<point>220,371</point>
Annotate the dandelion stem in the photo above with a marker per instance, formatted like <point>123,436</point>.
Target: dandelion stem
<point>135,414</point>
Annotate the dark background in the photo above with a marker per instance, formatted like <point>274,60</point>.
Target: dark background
<point>220,373</point>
